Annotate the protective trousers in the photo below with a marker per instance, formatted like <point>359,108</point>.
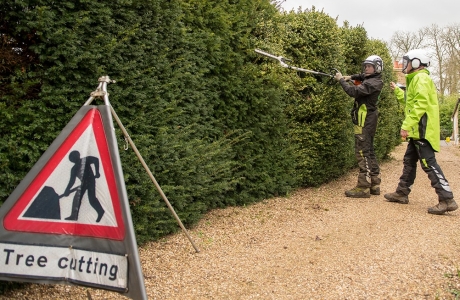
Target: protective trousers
<point>369,171</point>
<point>421,150</point>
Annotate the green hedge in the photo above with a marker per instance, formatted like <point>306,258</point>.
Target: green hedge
<point>320,128</point>
<point>217,124</point>
<point>446,109</point>
<point>210,127</point>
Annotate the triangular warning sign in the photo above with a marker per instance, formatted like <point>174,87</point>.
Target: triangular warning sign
<point>75,193</point>
<point>69,220</point>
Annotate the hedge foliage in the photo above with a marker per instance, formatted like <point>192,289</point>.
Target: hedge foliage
<point>446,109</point>
<point>217,124</point>
<point>320,129</point>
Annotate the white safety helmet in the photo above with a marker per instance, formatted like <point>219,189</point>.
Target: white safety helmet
<point>418,58</point>
<point>376,61</point>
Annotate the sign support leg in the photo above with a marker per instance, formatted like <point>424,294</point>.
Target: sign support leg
<point>139,156</point>
<point>101,91</point>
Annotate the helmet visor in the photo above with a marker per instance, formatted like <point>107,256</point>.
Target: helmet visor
<point>368,67</point>
<point>405,62</point>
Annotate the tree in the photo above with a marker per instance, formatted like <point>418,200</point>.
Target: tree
<point>403,41</point>
<point>443,43</point>
<point>451,42</point>
<point>435,41</point>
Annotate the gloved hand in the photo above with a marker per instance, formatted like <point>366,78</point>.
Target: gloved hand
<point>338,76</point>
<point>347,78</point>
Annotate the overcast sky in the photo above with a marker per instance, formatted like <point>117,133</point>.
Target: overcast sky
<point>382,18</point>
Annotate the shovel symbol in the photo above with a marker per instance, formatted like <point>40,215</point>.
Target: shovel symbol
<point>46,205</point>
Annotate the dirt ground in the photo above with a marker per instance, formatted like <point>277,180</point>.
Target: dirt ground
<point>314,244</point>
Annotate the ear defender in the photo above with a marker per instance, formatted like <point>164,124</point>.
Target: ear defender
<point>415,63</point>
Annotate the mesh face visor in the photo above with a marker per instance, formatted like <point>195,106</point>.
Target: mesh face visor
<point>405,62</point>
<point>370,63</point>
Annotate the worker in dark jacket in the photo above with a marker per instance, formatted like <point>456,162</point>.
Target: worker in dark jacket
<point>364,116</point>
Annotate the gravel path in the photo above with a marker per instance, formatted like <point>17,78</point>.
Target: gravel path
<point>314,244</point>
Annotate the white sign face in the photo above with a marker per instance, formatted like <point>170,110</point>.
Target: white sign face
<point>59,263</point>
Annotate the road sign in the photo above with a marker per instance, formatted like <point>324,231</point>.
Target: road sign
<point>92,206</point>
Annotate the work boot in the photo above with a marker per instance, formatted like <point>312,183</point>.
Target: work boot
<point>397,197</point>
<point>358,192</point>
<point>375,190</point>
<point>451,205</point>
<point>438,209</point>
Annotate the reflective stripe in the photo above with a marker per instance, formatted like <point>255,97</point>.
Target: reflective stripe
<point>362,113</point>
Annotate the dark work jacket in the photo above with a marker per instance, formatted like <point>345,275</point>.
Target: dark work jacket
<point>365,112</point>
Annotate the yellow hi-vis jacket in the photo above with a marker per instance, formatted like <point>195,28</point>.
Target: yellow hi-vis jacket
<point>421,108</point>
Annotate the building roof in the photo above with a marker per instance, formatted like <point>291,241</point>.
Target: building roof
<point>397,69</point>
<point>397,65</point>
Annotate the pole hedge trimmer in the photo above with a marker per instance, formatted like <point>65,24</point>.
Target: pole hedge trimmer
<point>283,63</point>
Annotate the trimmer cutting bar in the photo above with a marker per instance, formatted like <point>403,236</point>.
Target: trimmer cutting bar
<point>282,61</point>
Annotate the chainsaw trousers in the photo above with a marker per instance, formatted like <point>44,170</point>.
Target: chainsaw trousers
<point>369,170</point>
<point>421,150</point>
